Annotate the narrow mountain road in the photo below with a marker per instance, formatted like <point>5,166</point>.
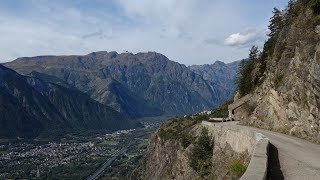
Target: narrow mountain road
<point>299,159</point>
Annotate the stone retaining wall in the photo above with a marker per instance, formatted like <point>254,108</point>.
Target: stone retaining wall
<point>258,165</point>
<point>241,140</point>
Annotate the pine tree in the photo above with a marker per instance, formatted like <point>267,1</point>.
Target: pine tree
<point>315,6</point>
<point>276,23</point>
<point>291,11</point>
<point>291,5</point>
<point>245,80</point>
<point>253,53</point>
<point>275,27</point>
<point>201,154</point>
<point>267,52</point>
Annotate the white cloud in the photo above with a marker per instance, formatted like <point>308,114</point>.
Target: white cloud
<point>248,37</point>
<point>189,31</point>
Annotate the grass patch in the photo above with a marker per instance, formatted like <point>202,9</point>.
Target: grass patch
<point>237,168</point>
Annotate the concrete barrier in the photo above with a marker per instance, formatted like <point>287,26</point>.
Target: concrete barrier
<point>218,119</point>
<point>239,139</point>
<point>242,139</point>
<point>258,165</point>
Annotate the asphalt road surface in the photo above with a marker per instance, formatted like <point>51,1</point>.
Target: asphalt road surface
<point>299,159</point>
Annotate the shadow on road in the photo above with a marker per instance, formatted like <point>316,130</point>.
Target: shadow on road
<point>274,169</point>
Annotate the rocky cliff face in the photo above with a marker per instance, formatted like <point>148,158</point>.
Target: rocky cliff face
<point>143,84</point>
<point>165,160</point>
<point>288,100</point>
<point>170,158</point>
<point>30,107</point>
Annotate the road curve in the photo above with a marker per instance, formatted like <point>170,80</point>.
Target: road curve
<point>299,159</point>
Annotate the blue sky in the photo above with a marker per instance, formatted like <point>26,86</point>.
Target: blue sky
<point>187,31</point>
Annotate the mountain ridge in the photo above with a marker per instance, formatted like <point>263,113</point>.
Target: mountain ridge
<point>219,74</point>
<point>31,107</point>
<point>140,85</point>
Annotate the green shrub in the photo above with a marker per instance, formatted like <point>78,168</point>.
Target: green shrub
<point>222,110</point>
<point>201,154</point>
<point>201,117</point>
<point>237,168</point>
<point>186,140</point>
<point>176,128</point>
<point>168,134</point>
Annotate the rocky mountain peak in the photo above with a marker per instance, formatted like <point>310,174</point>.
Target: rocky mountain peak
<point>142,84</point>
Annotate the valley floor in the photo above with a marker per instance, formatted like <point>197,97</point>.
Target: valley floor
<point>76,156</point>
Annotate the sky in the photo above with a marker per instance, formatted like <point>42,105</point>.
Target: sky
<point>186,31</point>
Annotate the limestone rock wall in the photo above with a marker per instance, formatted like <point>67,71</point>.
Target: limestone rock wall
<point>168,160</point>
<point>165,160</point>
<point>288,100</point>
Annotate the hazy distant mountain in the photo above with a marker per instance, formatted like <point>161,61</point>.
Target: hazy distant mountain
<point>143,84</point>
<point>30,107</point>
<point>219,75</point>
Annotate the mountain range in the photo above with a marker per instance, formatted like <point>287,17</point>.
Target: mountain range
<point>219,75</point>
<point>138,85</point>
<point>30,107</point>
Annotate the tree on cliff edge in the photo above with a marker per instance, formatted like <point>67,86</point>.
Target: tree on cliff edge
<point>245,80</point>
<point>276,23</point>
<point>201,154</point>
